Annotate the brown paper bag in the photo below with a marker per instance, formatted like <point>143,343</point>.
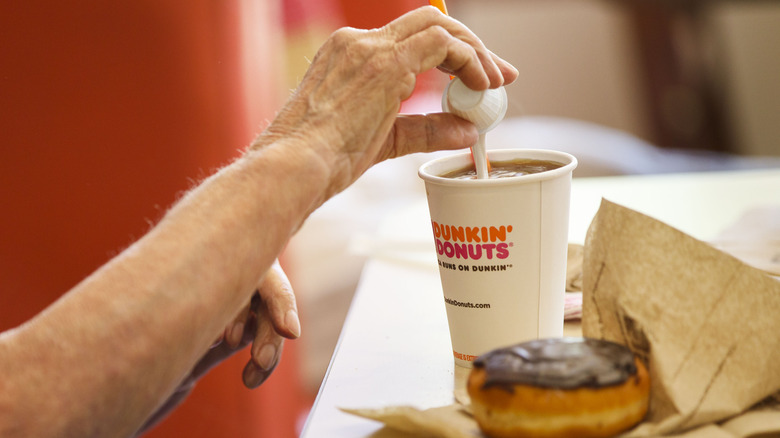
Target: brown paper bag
<point>706,323</point>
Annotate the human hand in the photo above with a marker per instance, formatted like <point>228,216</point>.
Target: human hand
<point>269,317</point>
<point>346,108</point>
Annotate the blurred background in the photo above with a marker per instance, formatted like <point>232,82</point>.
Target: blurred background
<point>109,111</point>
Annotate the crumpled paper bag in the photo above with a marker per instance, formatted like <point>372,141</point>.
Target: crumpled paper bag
<point>706,323</point>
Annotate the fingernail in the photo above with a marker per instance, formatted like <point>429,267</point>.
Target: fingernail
<point>293,323</point>
<point>266,357</point>
<point>253,376</point>
<point>236,333</point>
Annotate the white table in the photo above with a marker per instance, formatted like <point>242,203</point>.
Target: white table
<point>394,346</point>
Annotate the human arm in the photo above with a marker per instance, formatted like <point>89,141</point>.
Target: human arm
<point>270,317</point>
<point>108,354</point>
<point>104,357</point>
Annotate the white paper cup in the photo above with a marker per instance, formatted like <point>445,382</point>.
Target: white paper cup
<point>501,245</point>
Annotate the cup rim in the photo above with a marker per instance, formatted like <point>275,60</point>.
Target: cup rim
<point>431,170</point>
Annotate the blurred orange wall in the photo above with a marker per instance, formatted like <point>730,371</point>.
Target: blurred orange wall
<point>108,111</point>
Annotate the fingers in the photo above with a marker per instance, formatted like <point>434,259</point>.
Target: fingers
<point>266,347</point>
<point>265,352</point>
<point>508,71</point>
<point>235,332</point>
<point>254,375</point>
<point>435,47</point>
<point>451,46</point>
<point>276,317</point>
<point>269,317</point>
<point>278,296</point>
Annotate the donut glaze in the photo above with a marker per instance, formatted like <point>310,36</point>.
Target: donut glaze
<point>564,363</point>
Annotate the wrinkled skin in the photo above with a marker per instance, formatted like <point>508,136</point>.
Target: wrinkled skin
<point>347,105</point>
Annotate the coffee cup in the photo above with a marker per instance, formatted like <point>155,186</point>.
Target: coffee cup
<point>501,246</point>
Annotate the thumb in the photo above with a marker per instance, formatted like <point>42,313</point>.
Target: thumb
<point>429,133</point>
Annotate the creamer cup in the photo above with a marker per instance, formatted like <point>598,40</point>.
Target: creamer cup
<point>501,247</point>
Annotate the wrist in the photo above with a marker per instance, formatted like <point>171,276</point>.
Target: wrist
<point>293,172</point>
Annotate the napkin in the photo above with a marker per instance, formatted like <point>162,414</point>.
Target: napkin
<point>572,304</point>
<point>451,421</point>
<point>705,322</point>
<point>754,238</point>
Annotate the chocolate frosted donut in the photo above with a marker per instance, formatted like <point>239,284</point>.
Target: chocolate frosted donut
<point>563,363</point>
<point>560,387</point>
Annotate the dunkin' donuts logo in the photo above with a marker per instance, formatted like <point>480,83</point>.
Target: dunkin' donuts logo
<point>472,243</point>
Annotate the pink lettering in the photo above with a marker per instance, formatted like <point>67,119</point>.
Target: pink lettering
<point>502,250</point>
<point>489,247</point>
<point>461,251</point>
